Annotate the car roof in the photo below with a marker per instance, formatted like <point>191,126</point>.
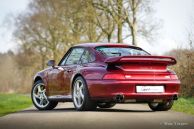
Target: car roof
<point>93,45</point>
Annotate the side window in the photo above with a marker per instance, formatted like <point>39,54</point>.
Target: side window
<point>87,57</point>
<point>74,56</point>
<point>62,63</point>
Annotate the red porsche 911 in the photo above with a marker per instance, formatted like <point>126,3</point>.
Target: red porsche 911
<point>98,74</point>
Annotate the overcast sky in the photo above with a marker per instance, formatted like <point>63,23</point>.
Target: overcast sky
<point>174,14</point>
<point>9,8</point>
<point>176,19</point>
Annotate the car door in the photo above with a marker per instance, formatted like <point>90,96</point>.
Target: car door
<point>60,76</point>
<point>71,65</point>
<point>56,81</point>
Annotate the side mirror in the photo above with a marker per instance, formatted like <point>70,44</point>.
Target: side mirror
<point>51,63</point>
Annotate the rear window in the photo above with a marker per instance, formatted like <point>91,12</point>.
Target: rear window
<point>121,51</point>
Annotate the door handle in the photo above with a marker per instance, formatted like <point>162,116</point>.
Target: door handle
<point>69,70</point>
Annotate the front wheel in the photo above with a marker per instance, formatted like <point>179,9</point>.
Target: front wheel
<point>164,106</point>
<point>81,98</point>
<point>39,98</point>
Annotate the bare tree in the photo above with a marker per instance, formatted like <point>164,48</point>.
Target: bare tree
<point>137,14</point>
<point>104,20</point>
<point>113,12</point>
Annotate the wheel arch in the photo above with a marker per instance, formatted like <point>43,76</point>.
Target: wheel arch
<point>40,78</point>
<point>37,78</point>
<point>74,77</point>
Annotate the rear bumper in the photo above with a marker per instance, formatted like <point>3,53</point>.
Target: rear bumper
<point>109,89</point>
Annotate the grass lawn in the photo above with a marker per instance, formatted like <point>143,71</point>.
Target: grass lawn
<point>13,102</point>
<point>184,105</point>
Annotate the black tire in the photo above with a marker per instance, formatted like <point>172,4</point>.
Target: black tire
<point>51,104</point>
<point>87,103</point>
<point>106,105</point>
<point>164,106</point>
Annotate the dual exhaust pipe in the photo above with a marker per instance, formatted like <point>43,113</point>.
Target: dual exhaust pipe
<point>119,98</point>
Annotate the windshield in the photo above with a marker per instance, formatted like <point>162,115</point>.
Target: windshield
<point>121,51</point>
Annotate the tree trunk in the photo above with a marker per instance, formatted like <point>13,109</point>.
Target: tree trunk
<point>109,37</point>
<point>134,24</point>
<point>43,61</point>
<point>119,23</point>
<point>134,34</point>
<point>119,33</point>
<point>54,55</point>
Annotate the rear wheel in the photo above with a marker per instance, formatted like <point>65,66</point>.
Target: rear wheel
<point>81,98</point>
<point>39,98</point>
<point>164,106</point>
<point>106,105</point>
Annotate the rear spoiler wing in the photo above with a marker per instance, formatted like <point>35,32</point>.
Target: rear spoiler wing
<point>166,60</point>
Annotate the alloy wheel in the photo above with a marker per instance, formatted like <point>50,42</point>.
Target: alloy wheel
<point>78,94</point>
<point>39,95</point>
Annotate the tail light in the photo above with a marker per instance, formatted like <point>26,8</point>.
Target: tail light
<point>122,76</point>
<point>174,76</point>
<point>114,76</point>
